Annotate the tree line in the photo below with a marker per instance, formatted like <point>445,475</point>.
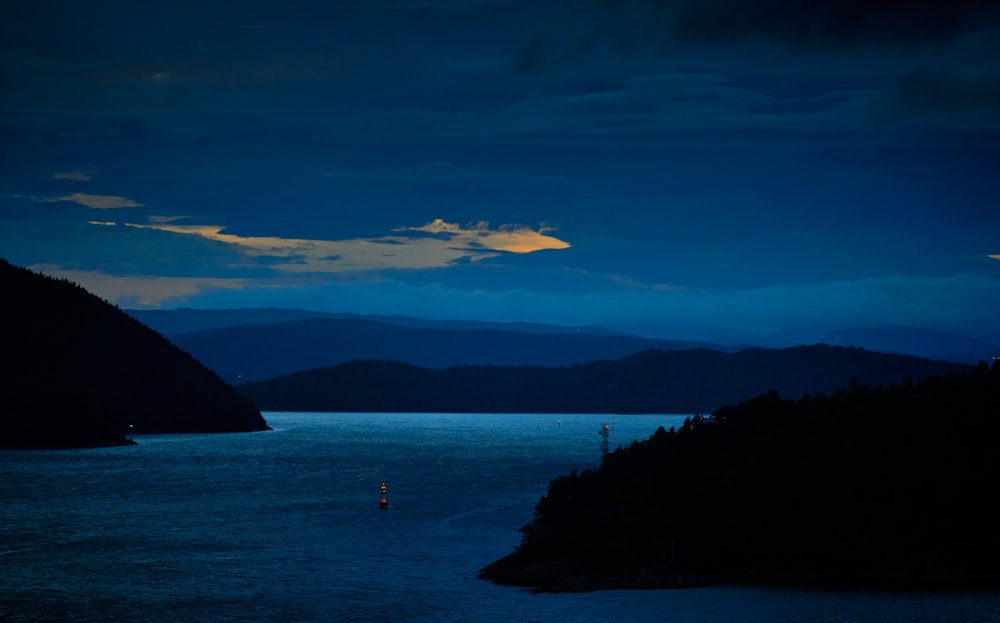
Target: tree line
<point>869,485</point>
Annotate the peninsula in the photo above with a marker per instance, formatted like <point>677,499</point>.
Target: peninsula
<point>865,487</point>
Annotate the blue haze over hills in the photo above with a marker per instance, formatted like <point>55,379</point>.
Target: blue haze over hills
<point>257,344</point>
<point>263,344</point>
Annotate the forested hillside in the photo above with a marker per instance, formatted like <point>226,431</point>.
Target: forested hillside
<point>76,371</point>
<point>869,486</point>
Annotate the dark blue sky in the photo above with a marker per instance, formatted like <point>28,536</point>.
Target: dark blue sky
<point>687,168</point>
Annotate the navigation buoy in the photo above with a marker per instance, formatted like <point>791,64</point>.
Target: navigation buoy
<point>383,502</point>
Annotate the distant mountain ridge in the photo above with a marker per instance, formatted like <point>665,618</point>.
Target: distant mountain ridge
<point>257,352</point>
<point>186,320</point>
<point>77,372</point>
<point>916,341</point>
<point>249,345</point>
<point>683,381</point>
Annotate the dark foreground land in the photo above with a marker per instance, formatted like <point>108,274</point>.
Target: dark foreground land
<point>867,487</point>
<point>77,372</point>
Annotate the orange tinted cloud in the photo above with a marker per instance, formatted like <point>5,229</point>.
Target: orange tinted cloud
<point>510,238</point>
<point>455,243</point>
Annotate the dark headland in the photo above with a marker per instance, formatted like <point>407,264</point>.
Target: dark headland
<point>873,487</point>
<point>78,372</point>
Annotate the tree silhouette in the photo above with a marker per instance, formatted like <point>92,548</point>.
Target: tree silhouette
<point>866,486</point>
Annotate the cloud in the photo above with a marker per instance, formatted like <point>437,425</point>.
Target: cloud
<point>509,238</point>
<point>644,106</point>
<point>877,45</point>
<point>954,93</point>
<point>140,291</point>
<point>443,5</point>
<point>57,127</point>
<point>79,176</point>
<point>98,202</point>
<point>448,244</point>
<point>273,264</point>
<point>788,64</point>
<point>801,25</point>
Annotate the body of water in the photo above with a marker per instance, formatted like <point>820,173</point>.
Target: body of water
<point>285,526</point>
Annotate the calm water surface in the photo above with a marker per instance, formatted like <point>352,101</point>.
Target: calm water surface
<point>285,526</point>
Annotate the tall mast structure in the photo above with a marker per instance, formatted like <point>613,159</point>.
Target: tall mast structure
<point>604,433</point>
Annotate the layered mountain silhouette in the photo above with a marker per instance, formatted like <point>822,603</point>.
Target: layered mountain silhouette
<point>255,352</point>
<point>187,320</point>
<point>79,372</point>
<point>686,381</point>
<point>916,341</point>
<point>243,345</point>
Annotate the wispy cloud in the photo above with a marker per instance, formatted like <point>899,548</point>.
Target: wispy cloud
<point>804,27</point>
<point>98,202</point>
<point>448,243</point>
<point>444,5</point>
<point>292,263</point>
<point>102,202</point>
<point>141,291</point>
<point>511,238</point>
<point>79,176</point>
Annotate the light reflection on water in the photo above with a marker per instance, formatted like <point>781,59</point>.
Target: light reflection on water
<point>285,525</point>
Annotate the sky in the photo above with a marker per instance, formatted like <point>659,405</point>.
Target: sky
<point>675,168</point>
